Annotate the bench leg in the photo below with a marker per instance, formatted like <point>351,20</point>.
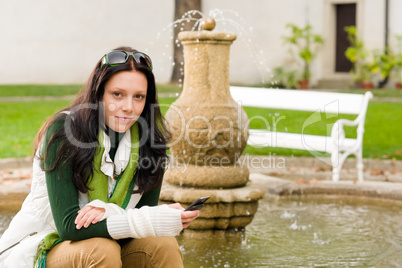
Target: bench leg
<point>336,166</point>
<point>359,165</point>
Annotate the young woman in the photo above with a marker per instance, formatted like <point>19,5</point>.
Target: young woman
<point>93,199</point>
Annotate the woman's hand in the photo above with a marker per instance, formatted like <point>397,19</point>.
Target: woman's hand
<point>88,215</point>
<point>186,216</point>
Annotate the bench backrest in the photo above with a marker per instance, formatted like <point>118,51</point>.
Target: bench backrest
<point>302,100</point>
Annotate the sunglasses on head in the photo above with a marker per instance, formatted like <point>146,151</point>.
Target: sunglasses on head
<point>117,57</point>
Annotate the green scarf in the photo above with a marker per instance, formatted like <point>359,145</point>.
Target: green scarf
<point>98,189</point>
<point>98,185</point>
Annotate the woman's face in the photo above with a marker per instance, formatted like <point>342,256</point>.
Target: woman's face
<point>124,99</point>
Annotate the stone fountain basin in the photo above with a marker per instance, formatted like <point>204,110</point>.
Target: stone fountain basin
<point>225,209</point>
<point>386,191</point>
<point>13,193</point>
<point>15,182</point>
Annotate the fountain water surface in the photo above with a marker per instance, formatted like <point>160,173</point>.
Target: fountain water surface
<point>301,232</point>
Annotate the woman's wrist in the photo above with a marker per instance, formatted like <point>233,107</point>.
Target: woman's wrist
<point>144,222</point>
<point>110,208</point>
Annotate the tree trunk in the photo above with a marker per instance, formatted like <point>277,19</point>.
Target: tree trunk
<point>181,7</point>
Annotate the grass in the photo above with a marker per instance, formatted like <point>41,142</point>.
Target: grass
<point>381,93</point>
<point>20,121</point>
<point>38,90</point>
<point>381,138</point>
<point>377,92</point>
<point>59,90</point>
<point>62,90</point>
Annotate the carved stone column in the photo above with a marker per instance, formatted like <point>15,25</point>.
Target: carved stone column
<point>209,133</point>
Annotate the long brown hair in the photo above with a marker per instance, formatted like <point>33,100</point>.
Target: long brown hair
<point>86,117</point>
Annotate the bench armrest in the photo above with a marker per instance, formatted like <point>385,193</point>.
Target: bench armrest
<point>346,122</point>
<point>337,129</point>
<point>338,132</point>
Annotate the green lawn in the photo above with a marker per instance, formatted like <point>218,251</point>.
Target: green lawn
<point>377,92</point>
<point>382,137</point>
<point>38,90</point>
<point>20,121</point>
<point>386,92</point>
<point>59,90</point>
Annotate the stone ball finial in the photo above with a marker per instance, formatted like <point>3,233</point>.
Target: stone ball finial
<point>207,23</point>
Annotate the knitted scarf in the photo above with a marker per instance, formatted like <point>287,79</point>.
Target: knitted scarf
<point>98,189</point>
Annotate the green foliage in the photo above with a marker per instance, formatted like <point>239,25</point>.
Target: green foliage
<point>384,62</point>
<point>356,51</point>
<point>363,69</point>
<point>304,45</point>
<point>284,78</point>
<point>366,64</point>
<point>398,59</point>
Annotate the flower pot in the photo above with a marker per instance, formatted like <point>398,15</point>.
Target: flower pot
<point>367,85</point>
<point>303,84</point>
<point>358,84</point>
<point>398,85</point>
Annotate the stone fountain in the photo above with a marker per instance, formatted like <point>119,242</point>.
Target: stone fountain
<point>209,133</point>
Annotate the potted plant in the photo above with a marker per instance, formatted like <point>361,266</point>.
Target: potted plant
<point>398,63</point>
<point>357,54</point>
<point>304,46</point>
<point>284,78</point>
<point>368,70</point>
<point>398,71</point>
<point>384,63</point>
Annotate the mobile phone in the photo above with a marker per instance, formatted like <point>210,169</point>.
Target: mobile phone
<point>197,204</point>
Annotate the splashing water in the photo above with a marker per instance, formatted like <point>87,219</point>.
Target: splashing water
<point>229,20</point>
<point>226,20</point>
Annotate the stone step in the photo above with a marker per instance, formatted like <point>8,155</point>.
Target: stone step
<point>338,83</point>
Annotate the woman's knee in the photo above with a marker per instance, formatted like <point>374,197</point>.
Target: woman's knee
<point>159,251</point>
<point>169,246</point>
<point>105,250</point>
<point>99,252</point>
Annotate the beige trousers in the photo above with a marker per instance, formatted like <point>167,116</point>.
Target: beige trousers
<point>103,252</point>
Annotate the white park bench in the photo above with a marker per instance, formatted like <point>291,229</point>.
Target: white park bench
<point>329,103</point>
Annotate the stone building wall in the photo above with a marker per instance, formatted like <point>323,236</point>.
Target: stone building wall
<point>55,41</point>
